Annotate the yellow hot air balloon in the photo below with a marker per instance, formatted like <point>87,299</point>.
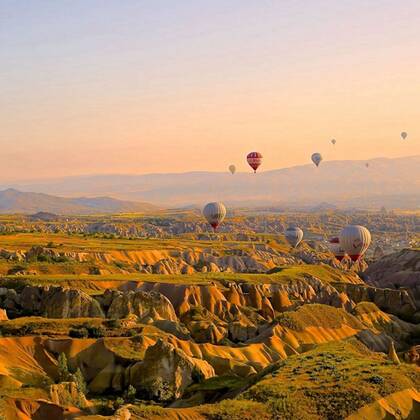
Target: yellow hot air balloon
<point>232,169</point>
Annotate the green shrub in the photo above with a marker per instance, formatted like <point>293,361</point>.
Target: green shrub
<point>79,380</point>
<point>63,369</point>
<point>113,323</point>
<point>119,402</point>
<point>95,332</point>
<point>94,271</point>
<point>376,379</point>
<point>78,332</point>
<point>237,410</point>
<point>17,269</point>
<point>197,376</point>
<point>130,394</point>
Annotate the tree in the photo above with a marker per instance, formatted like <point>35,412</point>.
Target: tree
<point>118,403</point>
<point>131,393</point>
<point>79,380</point>
<point>63,369</point>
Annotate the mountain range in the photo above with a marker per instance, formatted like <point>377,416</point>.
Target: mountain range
<point>393,183</point>
<point>14,201</point>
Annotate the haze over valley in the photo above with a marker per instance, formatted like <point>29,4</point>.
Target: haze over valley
<point>393,183</point>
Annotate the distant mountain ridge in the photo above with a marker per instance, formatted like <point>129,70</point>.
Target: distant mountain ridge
<point>349,183</point>
<point>14,201</point>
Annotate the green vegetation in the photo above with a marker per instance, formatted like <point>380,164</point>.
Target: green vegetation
<point>63,369</point>
<point>315,315</point>
<point>331,381</point>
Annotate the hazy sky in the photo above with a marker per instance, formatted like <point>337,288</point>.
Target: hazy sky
<point>101,86</point>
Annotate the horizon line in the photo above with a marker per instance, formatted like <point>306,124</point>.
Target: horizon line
<point>10,184</point>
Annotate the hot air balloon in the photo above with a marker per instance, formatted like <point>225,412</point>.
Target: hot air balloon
<point>336,248</point>
<point>355,240</point>
<point>294,235</point>
<point>367,164</point>
<point>316,158</point>
<point>404,135</point>
<point>214,213</point>
<point>333,141</point>
<point>232,169</point>
<point>254,160</point>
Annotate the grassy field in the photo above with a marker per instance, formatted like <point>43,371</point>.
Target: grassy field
<point>87,243</point>
<point>331,381</point>
<point>92,283</point>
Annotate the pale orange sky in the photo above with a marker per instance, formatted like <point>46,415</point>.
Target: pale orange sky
<point>159,86</point>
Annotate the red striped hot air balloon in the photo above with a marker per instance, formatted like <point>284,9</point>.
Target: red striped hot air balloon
<point>355,240</point>
<point>254,160</point>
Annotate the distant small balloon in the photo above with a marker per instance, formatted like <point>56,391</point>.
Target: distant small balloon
<point>367,164</point>
<point>404,135</point>
<point>232,169</point>
<point>333,141</point>
<point>316,158</point>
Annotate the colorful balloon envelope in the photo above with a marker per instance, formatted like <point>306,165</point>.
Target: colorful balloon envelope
<point>355,241</point>
<point>316,158</point>
<point>214,213</point>
<point>254,160</point>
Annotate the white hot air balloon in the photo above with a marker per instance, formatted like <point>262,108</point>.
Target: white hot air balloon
<point>294,235</point>
<point>404,135</point>
<point>333,141</point>
<point>214,214</point>
<point>232,169</point>
<point>355,240</point>
<point>336,248</point>
<point>316,158</point>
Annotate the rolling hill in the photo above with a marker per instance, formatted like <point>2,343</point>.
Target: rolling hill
<point>393,183</point>
<point>14,201</point>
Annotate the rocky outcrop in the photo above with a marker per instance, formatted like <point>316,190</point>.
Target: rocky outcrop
<point>397,302</point>
<point>413,355</point>
<point>50,302</point>
<point>392,354</point>
<point>58,302</point>
<point>166,372</point>
<point>398,270</point>
<point>147,306</point>
<point>3,315</point>
<point>67,394</point>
